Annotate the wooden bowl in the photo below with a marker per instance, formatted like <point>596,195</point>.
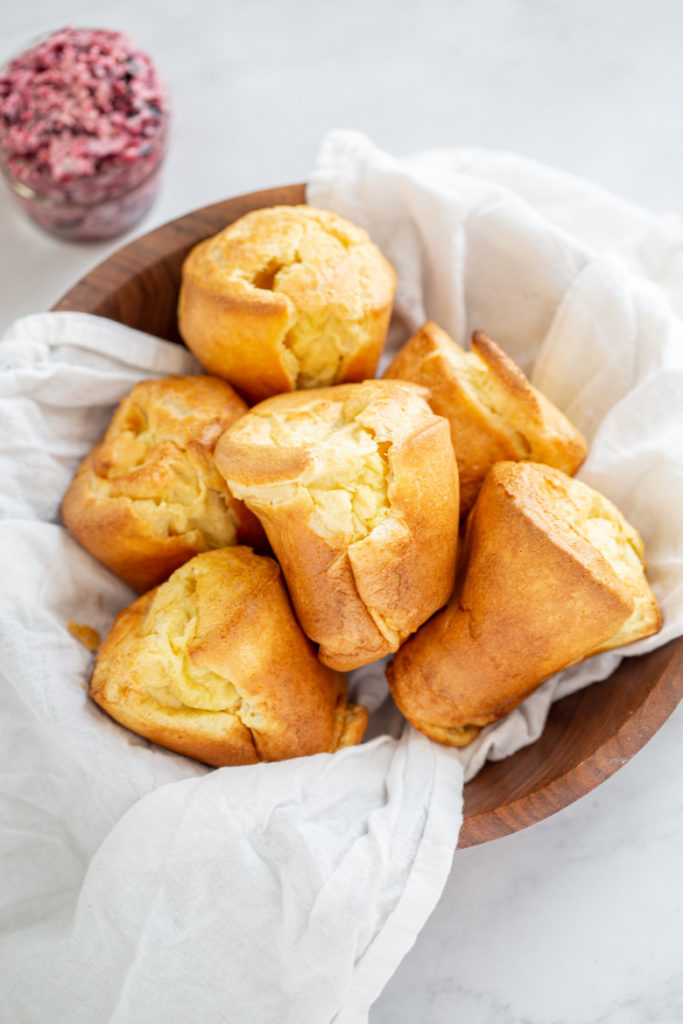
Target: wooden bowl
<point>588,735</point>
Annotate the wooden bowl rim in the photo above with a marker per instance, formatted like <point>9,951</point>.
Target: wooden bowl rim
<point>546,793</point>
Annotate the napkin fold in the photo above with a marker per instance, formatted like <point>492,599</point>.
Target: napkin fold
<point>140,886</point>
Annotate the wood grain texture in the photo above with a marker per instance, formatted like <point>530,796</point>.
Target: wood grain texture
<point>588,736</point>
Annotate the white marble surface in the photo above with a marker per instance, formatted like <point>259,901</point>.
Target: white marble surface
<point>578,920</point>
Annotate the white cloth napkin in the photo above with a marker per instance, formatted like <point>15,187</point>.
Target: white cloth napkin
<point>140,886</point>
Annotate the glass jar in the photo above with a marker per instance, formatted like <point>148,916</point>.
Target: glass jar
<point>83,126</point>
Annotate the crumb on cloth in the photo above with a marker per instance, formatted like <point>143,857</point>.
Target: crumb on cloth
<point>86,635</point>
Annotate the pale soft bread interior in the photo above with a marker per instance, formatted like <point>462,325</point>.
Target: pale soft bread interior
<point>326,314</point>
<point>346,480</point>
<point>213,664</point>
<point>512,405</point>
<point>601,523</point>
<point>347,477</point>
<point>351,721</point>
<point>494,413</point>
<point>358,475</point>
<point>168,668</point>
<point>169,478</point>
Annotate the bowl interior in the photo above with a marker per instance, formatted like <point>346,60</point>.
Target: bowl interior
<point>588,735</point>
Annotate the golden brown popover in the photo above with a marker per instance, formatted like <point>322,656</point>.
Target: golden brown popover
<point>553,574</point>
<point>213,664</point>
<point>356,487</point>
<point>286,297</point>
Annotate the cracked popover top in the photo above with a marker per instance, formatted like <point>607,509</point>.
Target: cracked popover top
<point>286,297</point>
<point>356,487</point>
<point>148,496</point>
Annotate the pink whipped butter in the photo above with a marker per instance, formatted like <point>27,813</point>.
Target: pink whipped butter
<point>83,118</point>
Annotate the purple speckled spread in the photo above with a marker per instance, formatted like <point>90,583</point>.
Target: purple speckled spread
<point>82,116</point>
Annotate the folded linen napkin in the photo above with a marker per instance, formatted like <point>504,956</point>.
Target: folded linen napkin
<point>140,886</point>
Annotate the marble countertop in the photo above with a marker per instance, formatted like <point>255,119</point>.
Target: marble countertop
<point>578,920</point>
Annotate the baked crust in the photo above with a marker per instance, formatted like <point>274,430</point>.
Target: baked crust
<point>213,664</point>
<point>148,497</point>
<point>286,297</point>
<point>553,574</point>
<point>357,489</point>
<point>494,412</point>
